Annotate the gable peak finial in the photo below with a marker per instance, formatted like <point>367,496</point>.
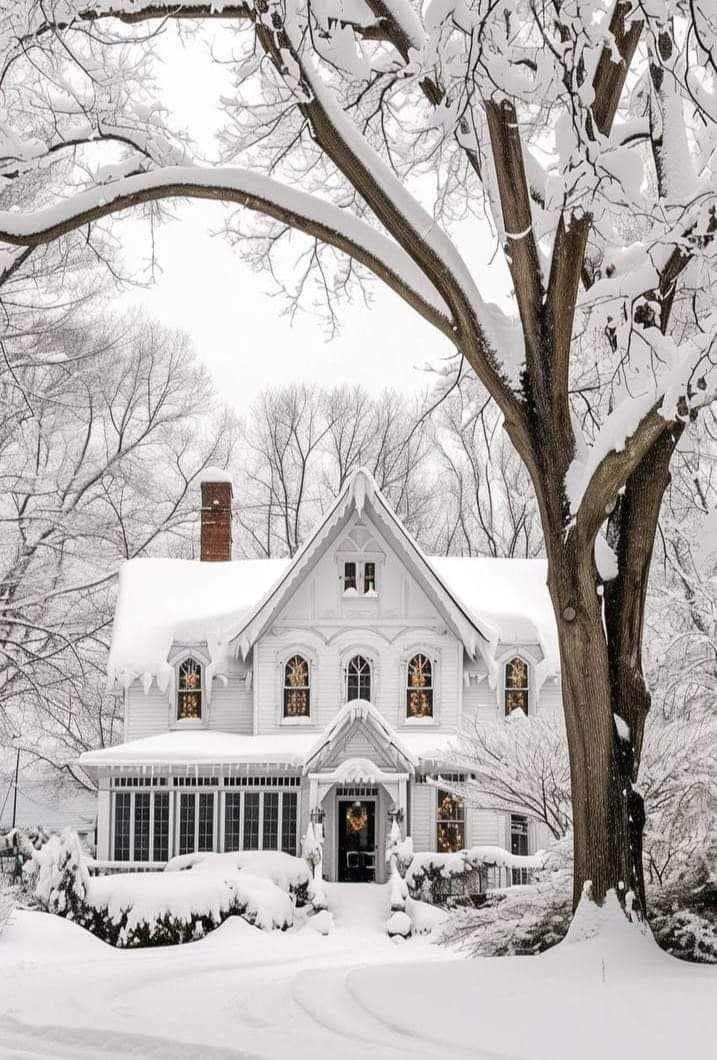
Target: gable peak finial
<point>363,486</point>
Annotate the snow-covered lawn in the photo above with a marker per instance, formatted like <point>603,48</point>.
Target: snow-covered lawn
<point>350,994</point>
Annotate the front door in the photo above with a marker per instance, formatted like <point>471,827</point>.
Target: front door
<point>357,841</point>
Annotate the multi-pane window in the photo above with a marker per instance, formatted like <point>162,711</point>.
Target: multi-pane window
<point>205,830</point>
<point>141,825</point>
<point>450,823</point>
<point>187,817</point>
<point>358,679</point>
<point>519,844</point>
<point>189,691</point>
<point>161,826</point>
<point>350,585</point>
<point>270,821</point>
<point>516,685</point>
<point>251,820</point>
<point>232,820</point>
<point>288,822</point>
<point>419,692</point>
<point>123,806</point>
<point>297,692</point>
<point>369,578</point>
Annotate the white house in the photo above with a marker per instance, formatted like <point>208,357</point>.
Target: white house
<point>261,694</point>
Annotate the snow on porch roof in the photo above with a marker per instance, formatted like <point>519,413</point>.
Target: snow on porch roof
<point>207,748</point>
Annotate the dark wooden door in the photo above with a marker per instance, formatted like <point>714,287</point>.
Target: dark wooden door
<point>357,841</point>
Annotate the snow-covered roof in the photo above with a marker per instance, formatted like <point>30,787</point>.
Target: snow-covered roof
<point>207,748</point>
<point>510,595</point>
<point>488,603</point>
<point>166,601</point>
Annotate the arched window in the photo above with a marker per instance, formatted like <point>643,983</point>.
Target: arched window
<point>358,678</point>
<point>297,692</point>
<point>189,691</point>
<point>419,690</point>
<point>516,685</point>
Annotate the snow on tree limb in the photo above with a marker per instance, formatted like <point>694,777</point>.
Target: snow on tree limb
<point>327,222</point>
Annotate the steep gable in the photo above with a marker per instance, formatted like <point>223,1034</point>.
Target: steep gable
<point>362,498</point>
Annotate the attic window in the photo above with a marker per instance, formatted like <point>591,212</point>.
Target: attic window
<point>516,685</point>
<point>189,691</point>
<point>359,578</point>
<point>350,577</point>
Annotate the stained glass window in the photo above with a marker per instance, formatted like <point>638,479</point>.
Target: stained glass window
<point>358,679</point>
<point>296,688</point>
<point>516,686</point>
<point>189,693</point>
<point>419,693</point>
<point>450,823</point>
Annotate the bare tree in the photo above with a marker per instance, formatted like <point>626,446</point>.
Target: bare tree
<point>105,428</point>
<point>520,110</point>
<point>489,506</point>
<point>302,442</point>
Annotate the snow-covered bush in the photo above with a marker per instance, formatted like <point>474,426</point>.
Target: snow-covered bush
<point>62,876</point>
<point>291,874</point>
<point>157,909</point>
<point>312,852</point>
<point>683,914</point>
<point>520,920</point>
<point>437,877</point>
<point>24,843</point>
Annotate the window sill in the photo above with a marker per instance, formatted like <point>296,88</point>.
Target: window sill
<point>354,594</point>
<point>297,721</point>
<point>189,723</point>
<point>420,721</point>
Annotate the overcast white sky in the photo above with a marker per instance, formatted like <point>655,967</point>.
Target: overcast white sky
<point>237,325</point>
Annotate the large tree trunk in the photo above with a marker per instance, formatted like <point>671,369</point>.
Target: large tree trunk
<point>608,816</point>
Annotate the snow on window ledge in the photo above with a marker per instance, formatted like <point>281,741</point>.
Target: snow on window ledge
<point>298,720</point>
<point>430,720</point>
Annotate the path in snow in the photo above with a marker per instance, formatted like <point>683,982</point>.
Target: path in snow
<point>298,995</point>
<point>239,992</point>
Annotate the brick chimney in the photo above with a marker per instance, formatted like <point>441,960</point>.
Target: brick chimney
<point>216,532</point>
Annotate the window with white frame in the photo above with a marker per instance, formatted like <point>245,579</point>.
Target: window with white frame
<point>419,687</point>
<point>197,811</point>
<point>359,578</point>
<point>141,825</point>
<point>189,690</point>
<point>297,688</point>
<point>261,820</point>
<point>519,845</point>
<point>358,678</point>
<point>517,689</point>
<point>450,822</point>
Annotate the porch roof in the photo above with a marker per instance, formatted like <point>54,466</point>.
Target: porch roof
<point>290,750</point>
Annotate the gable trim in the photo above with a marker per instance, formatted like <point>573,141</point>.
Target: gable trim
<point>359,493</point>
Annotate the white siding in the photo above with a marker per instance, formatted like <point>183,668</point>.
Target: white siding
<point>423,816</point>
<point>150,714</point>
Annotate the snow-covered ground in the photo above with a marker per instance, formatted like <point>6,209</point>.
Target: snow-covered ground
<point>350,994</point>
